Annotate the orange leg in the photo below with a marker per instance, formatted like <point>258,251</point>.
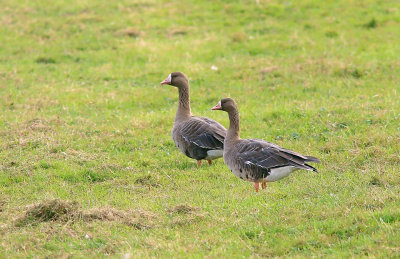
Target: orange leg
<point>256,186</point>
<point>264,185</point>
<point>209,162</point>
<point>199,162</point>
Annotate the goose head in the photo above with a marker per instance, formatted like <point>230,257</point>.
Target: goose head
<point>177,79</point>
<point>226,104</point>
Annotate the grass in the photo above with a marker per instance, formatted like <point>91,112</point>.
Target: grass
<point>84,119</point>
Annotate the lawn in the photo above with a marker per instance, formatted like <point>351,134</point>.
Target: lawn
<point>87,164</point>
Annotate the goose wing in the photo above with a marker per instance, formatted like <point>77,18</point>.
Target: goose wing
<point>204,133</point>
<point>261,156</point>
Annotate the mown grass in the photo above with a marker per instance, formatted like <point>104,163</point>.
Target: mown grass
<point>84,119</point>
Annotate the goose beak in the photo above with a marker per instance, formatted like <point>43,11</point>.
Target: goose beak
<point>167,81</point>
<point>217,107</point>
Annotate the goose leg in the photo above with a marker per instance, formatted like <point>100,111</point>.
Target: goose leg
<point>256,186</point>
<point>209,162</point>
<point>199,162</point>
<point>263,185</point>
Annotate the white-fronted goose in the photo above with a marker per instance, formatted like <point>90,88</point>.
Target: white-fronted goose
<point>257,160</point>
<point>197,137</point>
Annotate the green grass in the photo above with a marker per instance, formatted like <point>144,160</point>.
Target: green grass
<point>83,118</point>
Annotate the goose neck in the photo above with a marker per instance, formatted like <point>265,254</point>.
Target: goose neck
<point>233,131</point>
<point>184,103</point>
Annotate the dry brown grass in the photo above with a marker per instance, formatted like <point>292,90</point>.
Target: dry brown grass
<point>147,180</point>
<point>184,214</point>
<point>183,209</point>
<point>1,205</point>
<point>50,210</point>
<point>177,32</point>
<point>129,32</point>
<point>69,211</point>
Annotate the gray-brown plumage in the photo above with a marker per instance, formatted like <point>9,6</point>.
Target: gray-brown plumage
<point>197,137</point>
<point>257,160</point>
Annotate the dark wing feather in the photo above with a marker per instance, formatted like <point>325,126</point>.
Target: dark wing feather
<point>203,132</point>
<point>257,153</point>
<point>313,159</point>
<point>262,156</point>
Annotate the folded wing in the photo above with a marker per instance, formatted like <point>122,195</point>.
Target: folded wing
<point>204,133</point>
<point>261,156</point>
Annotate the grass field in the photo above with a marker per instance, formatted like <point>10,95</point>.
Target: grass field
<point>84,120</point>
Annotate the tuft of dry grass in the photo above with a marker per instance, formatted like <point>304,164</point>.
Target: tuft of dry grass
<point>69,211</point>
<point>147,180</point>
<point>184,214</point>
<point>137,219</point>
<point>266,70</point>
<point>2,203</point>
<point>239,37</point>
<point>49,210</point>
<point>37,125</point>
<point>129,32</point>
<point>177,32</point>
<point>183,209</point>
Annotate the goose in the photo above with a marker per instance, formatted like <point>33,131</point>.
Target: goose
<point>199,138</point>
<point>257,160</point>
